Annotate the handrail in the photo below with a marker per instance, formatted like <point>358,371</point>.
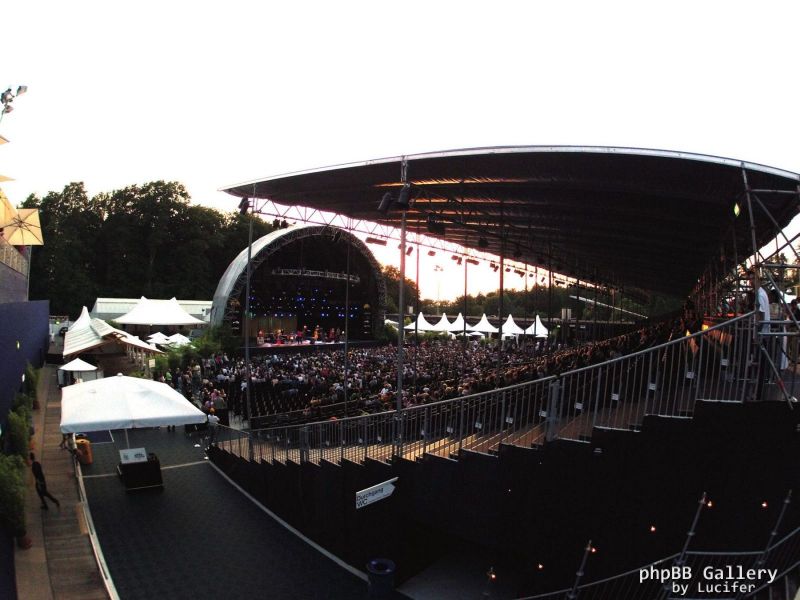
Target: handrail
<point>108,582</point>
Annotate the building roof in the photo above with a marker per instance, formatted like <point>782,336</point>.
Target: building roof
<point>111,308</point>
<point>651,219</point>
<point>87,334</point>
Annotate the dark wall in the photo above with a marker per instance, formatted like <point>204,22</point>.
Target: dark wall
<point>13,285</point>
<point>529,506</point>
<point>24,323</point>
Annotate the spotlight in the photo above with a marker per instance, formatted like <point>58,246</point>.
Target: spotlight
<point>21,90</point>
<point>244,205</point>
<point>472,261</point>
<point>376,241</point>
<point>403,198</point>
<point>508,269</point>
<point>652,528</point>
<point>435,226</point>
<point>431,253</point>
<point>409,250</point>
<point>460,260</point>
<point>386,203</point>
<point>764,504</point>
<point>483,242</point>
<point>455,257</point>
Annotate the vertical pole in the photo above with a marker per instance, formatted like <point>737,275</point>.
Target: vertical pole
<point>401,311</point>
<point>500,312</point>
<point>550,288</point>
<point>416,311</point>
<point>346,324</point>
<point>464,341</point>
<point>573,593</point>
<point>681,560</point>
<point>247,309</point>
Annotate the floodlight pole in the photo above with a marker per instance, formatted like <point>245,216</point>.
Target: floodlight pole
<point>401,312</point>
<point>346,323</point>
<point>247,316</point>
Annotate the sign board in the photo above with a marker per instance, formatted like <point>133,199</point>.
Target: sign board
<point>375,493</point>
<point>152,363</point>
<point>132,455</point>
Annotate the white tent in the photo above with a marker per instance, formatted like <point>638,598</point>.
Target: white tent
<point>458,324</point>
<point>537,329</point>
<point>421,324</point>
<point>443,324</point>
<point>158,312</point>
<point>124,403</point>
<point>78,365</point>
<point>157,338</point>
<point>511,328</point>
<point>177,340</point>
<point>483,326</point>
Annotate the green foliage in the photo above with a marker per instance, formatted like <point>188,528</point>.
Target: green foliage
<point>141,240</point>
<point>18,441</point>
<point>391,276</point>
<point>31,386</point>
<point>12,494</point>
<point>22,401</point>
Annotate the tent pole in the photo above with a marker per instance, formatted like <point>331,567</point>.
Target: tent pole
<point>127,441</point>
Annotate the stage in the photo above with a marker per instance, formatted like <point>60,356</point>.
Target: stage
<point>307,347</point>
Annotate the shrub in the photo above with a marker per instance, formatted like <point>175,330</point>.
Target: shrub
<point>32,382</point>
<point>12,494</point>
<point>19,437</point>
<point>22,401</point>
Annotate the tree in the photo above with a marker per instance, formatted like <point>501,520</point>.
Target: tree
<point>391,276</point>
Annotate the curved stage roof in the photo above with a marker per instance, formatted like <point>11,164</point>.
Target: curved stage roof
<point>650,219</point>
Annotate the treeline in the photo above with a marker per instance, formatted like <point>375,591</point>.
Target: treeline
<point>141,240</point>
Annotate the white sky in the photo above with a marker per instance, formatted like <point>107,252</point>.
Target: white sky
<point>212,94</point>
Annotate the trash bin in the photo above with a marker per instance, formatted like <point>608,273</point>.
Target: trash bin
<point>84,451</point>
<point>381,578</point>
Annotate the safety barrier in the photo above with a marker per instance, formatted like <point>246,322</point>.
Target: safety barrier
<point>716,364</point>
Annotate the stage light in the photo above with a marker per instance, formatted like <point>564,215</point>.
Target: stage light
<point>403,198</point>
<point>710,504</point>
<point>460,260</point>
<point>385,203</point>
<point>244,205</point>
<point>454,257</point>
<point>472,261</point>
<point>483,242</point>
<point>21,90</point>
<point>520,273</point>
<point>508,269</point>
<point>372,240</point>
<point>409,250</point>
<point>592,549</point>
<point>431,253</point>
<point>540,567</point>
<point>764,504</point>
<point>652,528</point>
<point>435,226</point>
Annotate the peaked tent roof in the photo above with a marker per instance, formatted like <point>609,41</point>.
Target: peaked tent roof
<point>87,334</point>
<point>483,326</point>
<point>177,340</point>
<point>158,312</point>
<point>511,327</point>
<point>458,324</point>
<point>421,324</point>
<point>443,324</point>
<point>77,365</point>
<point>536,328</point>
<point>123,403</point>
<point>157,338</point>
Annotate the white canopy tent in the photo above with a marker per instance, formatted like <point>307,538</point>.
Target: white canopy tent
<point>177,340</point>
<point>157,338</point>
<point>158,312</point>
<point>443,324</point>
<point>78,365</point>
<point>537,329</point>
<point>458,324</point>
<point>483,326</point>
<point>511,328</point>
<point>124,403</point>
<point>420,325</point>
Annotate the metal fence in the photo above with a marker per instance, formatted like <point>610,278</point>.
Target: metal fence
<point>716,364</point>
<point>11,257</point>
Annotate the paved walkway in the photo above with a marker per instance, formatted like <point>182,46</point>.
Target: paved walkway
<point>60,565</point>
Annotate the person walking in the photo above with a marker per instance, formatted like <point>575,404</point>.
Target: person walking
<point>213,422</point>
<point>41,483</point>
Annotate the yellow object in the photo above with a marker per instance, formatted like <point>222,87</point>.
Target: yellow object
<point>84,450</point>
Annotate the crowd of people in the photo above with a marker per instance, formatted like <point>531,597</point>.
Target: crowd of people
<point>306,386</point>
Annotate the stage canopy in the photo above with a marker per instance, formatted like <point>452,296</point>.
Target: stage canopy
<point>124,403</point>
<point>645,219</point>
<point>158,312</point>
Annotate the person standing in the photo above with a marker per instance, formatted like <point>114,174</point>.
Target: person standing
<point>761,306</point>
<point>213,422</point>
<point>41,483</point>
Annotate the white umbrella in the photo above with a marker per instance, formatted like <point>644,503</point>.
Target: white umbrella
<point>124,403</point>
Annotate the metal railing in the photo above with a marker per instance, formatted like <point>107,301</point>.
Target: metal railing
<point>11,257</point>
<point>640,584</point>
<point>716,364</point>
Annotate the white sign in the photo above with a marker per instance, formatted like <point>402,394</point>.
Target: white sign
<point>152,363</point>
<point>375,493</point>
<point>132,455</point>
